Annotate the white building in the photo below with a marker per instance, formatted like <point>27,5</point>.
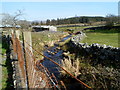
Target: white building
<point>44,28</point>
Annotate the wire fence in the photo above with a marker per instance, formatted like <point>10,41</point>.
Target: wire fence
<point>34,73</point>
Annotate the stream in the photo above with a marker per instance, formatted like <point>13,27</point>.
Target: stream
<point>55,54</point>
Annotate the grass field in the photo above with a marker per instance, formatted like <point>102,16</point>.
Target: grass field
<point>102,38</point>
<point>108,37</point>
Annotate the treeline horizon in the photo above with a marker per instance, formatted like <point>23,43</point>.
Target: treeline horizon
<point>71,20</point>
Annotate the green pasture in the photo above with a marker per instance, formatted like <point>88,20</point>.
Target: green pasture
<point>108,37</point>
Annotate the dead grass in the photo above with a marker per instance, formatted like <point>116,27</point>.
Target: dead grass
<point>72,67</point>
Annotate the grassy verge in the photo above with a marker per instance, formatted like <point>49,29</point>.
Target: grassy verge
<point>7,82</point>
<point>41,39</point>
<point>63,43</point>
<point>7,71</point>
<point>4,75</point>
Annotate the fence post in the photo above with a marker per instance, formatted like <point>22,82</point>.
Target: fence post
<point>27,43</point>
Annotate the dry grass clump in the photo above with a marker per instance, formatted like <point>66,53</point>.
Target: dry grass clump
<point>50,43</point>
<point>72,67</point>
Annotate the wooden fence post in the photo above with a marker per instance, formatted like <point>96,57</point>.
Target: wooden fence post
<point>28,57</point>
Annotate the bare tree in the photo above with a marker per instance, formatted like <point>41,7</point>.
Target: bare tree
<point>8,19</point>
<point>14,20</point>
<point>17,15</point>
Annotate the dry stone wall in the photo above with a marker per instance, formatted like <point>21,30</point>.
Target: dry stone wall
<point>95,51</point>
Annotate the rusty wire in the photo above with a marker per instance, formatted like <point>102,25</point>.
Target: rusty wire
<point>20,56</point>
<point>60,67</point>
<point>38,65</point>
<point>18,50</point>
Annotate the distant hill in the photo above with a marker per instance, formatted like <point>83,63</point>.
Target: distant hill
<point>75,20</point>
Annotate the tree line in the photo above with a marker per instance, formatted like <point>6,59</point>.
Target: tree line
<point>74,20</point>
<point>8,19</point>
<point>110,20</point>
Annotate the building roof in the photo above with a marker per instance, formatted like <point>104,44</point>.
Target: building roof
<point>43,26</point>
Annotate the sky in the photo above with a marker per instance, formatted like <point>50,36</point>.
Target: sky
<point>53,10</point>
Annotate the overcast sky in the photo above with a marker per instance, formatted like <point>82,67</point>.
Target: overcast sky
<point>53,10</point>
